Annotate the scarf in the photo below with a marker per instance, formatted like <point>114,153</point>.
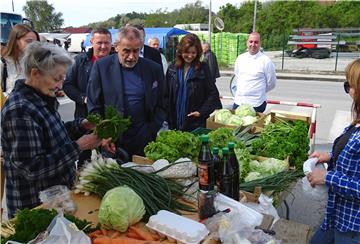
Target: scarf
<point>181,101</point>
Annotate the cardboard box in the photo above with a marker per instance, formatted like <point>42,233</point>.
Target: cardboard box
<point>211,124</point>
<point>282,115</point>
<point>141,160</point>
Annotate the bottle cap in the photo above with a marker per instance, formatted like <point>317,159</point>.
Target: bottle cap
<point>215,150</point>
<point>204,138</point>
<point>231,145</point>
<point>225,150</point>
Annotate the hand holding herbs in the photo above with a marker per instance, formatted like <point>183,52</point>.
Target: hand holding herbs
<point>113,125</point>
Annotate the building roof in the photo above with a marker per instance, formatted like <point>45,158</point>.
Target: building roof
<point>73,30</point>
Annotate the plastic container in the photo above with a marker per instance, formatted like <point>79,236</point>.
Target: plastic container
<point>177,227</point>
<point>58,197</point>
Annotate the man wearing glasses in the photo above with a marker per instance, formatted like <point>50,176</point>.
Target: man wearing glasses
<point>255,74</point>
<point>77,77</point>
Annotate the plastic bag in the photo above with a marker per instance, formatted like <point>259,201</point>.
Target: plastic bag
<point>319,192</point>
<point>62,231</point>
<point>58,197</point>
<point>265,206</point>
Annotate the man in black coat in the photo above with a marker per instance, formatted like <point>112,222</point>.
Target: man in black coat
<point>146,51</point>
<point>133,85</point>
<point>210,59</point>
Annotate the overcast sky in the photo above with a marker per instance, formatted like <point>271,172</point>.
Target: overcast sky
<point>82,12</point>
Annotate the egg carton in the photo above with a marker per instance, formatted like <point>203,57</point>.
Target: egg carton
<point>176,227</point>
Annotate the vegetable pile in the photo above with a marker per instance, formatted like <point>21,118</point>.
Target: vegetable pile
<point>113,125</point>
<point>244,115</point>
<point>27,224</point>
<point>282,139</point>
<point>172,145</point>
<point>157,193</point>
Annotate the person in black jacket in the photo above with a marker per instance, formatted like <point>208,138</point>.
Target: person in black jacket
<point>77,77</point>
<point>146,51</point>
<point>192,94</point>
<point>210,59</point>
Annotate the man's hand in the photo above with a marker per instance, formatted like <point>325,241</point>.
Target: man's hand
<point>89,141</point>
<point>195,114</point>
<point>86,125</point>
<point>317,177</point>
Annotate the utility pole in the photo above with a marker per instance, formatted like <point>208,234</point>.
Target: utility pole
<point>210,23</point>
<point>254,20</point>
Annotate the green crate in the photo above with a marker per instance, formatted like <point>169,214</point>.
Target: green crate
<point>201,131</point>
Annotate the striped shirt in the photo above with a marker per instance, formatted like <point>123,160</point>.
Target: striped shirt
<point>343,207</point>
<point>37,149</point>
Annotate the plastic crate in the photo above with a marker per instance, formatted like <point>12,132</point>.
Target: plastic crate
<point>201,131</point>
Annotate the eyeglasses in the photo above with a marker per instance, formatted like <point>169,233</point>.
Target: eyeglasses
<point>346,86</point>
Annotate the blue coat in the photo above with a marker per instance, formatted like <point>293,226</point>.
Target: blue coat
<point>106,88</point>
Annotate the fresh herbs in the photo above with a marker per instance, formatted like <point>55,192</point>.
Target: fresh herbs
<point>221,137</point>
<point>172,145</point>
<point>29,223</point>
<point>113,125</point>
<point>282,139</point>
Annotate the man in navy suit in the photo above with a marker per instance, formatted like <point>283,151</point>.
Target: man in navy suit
<point>133,85</point>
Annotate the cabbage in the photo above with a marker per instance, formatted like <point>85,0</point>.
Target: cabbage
<point>120,208</point>
<point>248,120</point>
<point>222,115</point>
<point>245,110</point>
<point>253,176</point>
<point>234,120</point>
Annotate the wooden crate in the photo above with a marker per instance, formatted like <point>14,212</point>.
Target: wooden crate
<point>141,160</point>
<point>211,124</point>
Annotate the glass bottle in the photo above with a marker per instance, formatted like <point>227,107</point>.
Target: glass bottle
<point>217,166</point>
<point>227,175</point>
<point>235,165</point>
<point>205,166</point>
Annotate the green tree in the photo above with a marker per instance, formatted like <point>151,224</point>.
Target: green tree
<point>43,16</point>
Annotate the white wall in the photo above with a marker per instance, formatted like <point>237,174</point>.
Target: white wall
<point>76,39</point>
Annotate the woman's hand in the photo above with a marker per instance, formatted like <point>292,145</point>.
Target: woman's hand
<point>317,177</point>
<point>195,114</point>
<point>322,156</point>
<point>86,125</point>
<point>89,141</point>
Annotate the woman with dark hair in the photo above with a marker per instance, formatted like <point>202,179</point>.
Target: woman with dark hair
<point>342,217</point>
<point>11,67</point>
<point>192,94</point>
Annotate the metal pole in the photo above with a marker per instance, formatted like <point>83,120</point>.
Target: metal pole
<point>210,23</point>
<point>254,20</point>
<point>12,2</point>
<point>337,51</point>
<point>283,52</point>
<point>221,47</point>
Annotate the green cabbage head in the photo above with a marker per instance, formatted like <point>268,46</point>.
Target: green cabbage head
<point>222,115</point>
<point>120,208</point>
<point>245,110</point>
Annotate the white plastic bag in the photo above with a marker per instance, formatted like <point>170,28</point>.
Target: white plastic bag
<point>62,231</point>
<point>265,206</point>
<point>319,192</point>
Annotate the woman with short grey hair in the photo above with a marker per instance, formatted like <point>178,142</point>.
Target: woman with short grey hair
<point>38,147</point>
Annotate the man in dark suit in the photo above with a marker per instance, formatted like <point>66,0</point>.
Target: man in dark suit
<point>132,84</point>
<point>146,51</point>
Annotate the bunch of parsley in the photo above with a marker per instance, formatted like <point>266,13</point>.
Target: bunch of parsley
<point>282,139</point>
<point>112,125</point>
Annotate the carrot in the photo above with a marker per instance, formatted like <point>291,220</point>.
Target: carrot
<point>104,232</point>
<point>102,240</point>
<point>95,233</point>
<point>114,234</point>
<point>132,234</point>
<point>120,240</point>
<point>143,233</point>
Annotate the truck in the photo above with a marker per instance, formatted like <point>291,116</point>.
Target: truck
<point>7,21</point>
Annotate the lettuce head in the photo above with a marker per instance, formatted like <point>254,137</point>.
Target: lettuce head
<point>222,115</point>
